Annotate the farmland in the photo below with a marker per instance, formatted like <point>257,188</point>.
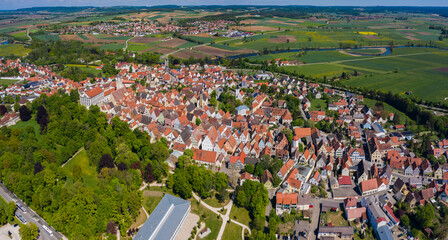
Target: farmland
<point>14,49</point>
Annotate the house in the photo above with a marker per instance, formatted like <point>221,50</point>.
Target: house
<point>284,170</point>
<point>443,196</point>
<point>242,110</point>
<point>317,116</point>
<point>166,220</point>
<point>390,213</point>
<point>368,187</point>
<point>345,181</point>
<point>355,213</point>
<point>335,232</point>
<point>205,157</point>
<point>303,202</point>
<point>285,202</point>
<point>375,215</point>
<point>400,186</point>
<point>93,96</point>
<point>315,179</point>
<point>267,179</point>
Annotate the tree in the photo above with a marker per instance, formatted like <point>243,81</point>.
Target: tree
<point>29,231</point>
<point>16,107</point>
<point>42,117</point>
<point>198,121</point>
<point>111,227</point>
<point>189,152</point>
<point>11,210</point>
<point>25,113</point>
<point>3,110</point>
<point>149,174</point>
<point>250,168</point>
<point>38,167</point>
<point>122,166</point>
<point>106,161</point>
<point>425,215</point>
<point>405,220</point>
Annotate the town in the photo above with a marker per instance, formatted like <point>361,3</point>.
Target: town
<point>344,166</point>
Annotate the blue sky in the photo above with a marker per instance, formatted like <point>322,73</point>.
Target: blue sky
<point>14,4</point>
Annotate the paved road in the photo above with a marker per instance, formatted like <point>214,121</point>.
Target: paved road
<point>30,215</point>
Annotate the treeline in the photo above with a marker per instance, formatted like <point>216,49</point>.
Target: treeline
<point>79,203</point>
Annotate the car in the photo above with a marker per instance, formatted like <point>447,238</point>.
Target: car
<point>48,230</point>
<point>15,225</point>
<point>401,235</point>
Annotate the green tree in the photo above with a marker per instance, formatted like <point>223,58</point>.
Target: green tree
<point>11,210</point>
<point>198,121</point>
<point>425,215</point>
<point>29,231</point>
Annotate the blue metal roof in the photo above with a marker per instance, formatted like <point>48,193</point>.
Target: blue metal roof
<point>384,233</point>
<point>166,220</point>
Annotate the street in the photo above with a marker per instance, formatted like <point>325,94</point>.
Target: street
<point>30,215</point>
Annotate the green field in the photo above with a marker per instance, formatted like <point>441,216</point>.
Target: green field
<point>14,49</point>
<point>201,39</point>
<point>6,82</point>
<point>318,104</point>
<point>89,174</point>
<point>308,56</point>
<point>232,232</point>
<point>187,45</point>
<point>47,37</point>
<point>415,73</point>
<point>86,68</point>
<point>21,36</point>
<point>82,36</point>
<point>112,46</point>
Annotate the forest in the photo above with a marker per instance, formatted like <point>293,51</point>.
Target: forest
<point>78,203</point>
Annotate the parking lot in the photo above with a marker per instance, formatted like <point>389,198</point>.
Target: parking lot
<point>9,228</point>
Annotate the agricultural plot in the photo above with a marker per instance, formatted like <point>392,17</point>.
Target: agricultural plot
<point>19,35</point>
<point>309,57</point>
<point>71,37</point>
<point>47,37</point>
<point>14,49</point>
<point>112,46</point>
<point>172,43</point>
<point>187,54</point>
<point>144,40</point>
<point>419,74</point>
<point>219,52</point>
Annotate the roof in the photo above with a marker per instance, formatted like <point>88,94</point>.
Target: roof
<point>204,155</point>
<point>93,92</point>
<point>345,180</point>
<point>368,185</point>
<point>165,220</point>
<point>334,229</point>
<point>355,212</point>
<point>384,233</point>
<point>286,198</point>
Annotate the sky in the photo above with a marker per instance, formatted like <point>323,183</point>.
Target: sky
<point>15,4</point>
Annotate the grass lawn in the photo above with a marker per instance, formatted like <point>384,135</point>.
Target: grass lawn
<point>286,228</point>
<point>232,232</point>
<point>212,201</point>
<point>89,173</point>
<point>150,203</point>
<point>240,214</point>
<point>334,218</point>
<point>140,219</point>
<point>317,104</point>
<point>30,123</point>
<point>211,219</point>
<point>6,82</point>
<point>14,49</point>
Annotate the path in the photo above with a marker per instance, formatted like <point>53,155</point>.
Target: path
<point>28,33</point>
<point>124,49</point>
<point>74,155</point>
<point>224,218</point>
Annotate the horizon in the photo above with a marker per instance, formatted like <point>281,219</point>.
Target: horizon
<point>20,4</point>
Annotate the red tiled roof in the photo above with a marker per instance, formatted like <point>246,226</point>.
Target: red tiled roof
<point>369,185</point>
<point>94,91</point>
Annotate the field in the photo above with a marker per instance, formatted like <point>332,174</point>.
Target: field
<point>14,49</point>
<point>172,43</point>
<point>232,232</point>
<point>187,54</point>
<point>415,73</point>
<point>240,214</point>
<point>318,104</point>
<point>219,52</point>
<point>89,174</point>
<point>6,82</point>
<point>144,39</point>
<point>112,46</point>
<point>47,37</point>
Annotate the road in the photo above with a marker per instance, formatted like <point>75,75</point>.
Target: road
<point>30,215</point>
<point>28,33</point>
<point>124,49</point>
